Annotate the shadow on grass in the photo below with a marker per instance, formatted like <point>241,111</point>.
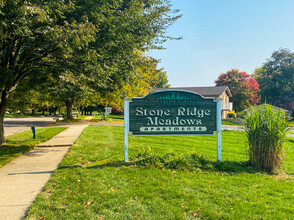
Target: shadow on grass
<point>15,143</point>
<point>13,149</point>
<point>234,167</point>
<point>225,166</point>
<point>69,167</point>
<point>113,164</point>
<point>9,152</point>
<point>116,117</point>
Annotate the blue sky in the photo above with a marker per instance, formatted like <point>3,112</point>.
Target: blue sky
<point>219,35</point>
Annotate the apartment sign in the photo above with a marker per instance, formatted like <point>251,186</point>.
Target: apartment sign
<point>172,112</point>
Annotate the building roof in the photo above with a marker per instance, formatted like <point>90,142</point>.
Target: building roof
<point>204,91</point>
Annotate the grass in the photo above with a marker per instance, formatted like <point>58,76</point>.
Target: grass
<point>229,123</point>
<point>266,130</point>
<point>18,144</point>
<point>14,116</point>
<point>93,182</point>
<point>27,115</point>
<point>81,117</point>
<point>110,118</point>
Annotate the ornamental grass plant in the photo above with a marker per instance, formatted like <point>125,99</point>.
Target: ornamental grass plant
<point>266,131</point>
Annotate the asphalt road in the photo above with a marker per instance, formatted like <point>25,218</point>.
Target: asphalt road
<point>16,125</point>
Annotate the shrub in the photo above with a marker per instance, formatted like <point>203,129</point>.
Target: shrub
<point>117,111</point>
<point>266,131</point>
<point>173,162</point>
<point>232,114</point>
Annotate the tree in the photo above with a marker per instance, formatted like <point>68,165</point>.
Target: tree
<point>28,96</point>
<point>145,78</point>
<point>276,79</point>
<point>244,88</point>
<point>93,39</point>
<point>33,40</point>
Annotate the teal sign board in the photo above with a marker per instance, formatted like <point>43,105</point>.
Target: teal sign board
<point>172,112</point>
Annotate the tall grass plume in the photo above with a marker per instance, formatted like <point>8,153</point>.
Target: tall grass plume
<point>266,131</point>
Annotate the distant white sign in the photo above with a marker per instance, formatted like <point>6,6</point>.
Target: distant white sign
<point>108,109</point>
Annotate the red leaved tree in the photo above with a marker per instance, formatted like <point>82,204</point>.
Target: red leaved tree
<point>244,88</point>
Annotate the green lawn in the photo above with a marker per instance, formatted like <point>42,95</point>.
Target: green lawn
<point>93,182</point>
<point>18,144</point>
<point>110,118</point>
<point>230,123</point>
<point>27,115</point>
<point>81,117</point>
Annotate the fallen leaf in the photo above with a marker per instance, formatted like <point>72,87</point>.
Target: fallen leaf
<point>88,203</point>
<point>195,213</point>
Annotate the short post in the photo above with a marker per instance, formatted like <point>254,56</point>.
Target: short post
<point>34,132</point>
<point>219,128</point>
<point>126,127</point>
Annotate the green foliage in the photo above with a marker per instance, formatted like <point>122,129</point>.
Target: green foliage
<point>172,161</point>
<point>27,98</point>
<point>79,46</point>
<point>266,131</point>
<point>145,77</point>
<point>276,79</point>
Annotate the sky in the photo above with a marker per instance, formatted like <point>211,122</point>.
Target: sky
<point>220,35</point>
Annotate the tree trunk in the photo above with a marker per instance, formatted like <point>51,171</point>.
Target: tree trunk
<point>2,138</point>
<point>69,109</point>
<point>79,110</point>
<point>3,108</point>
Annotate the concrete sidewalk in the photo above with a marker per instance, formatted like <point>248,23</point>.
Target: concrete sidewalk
<point>65,138</point>
<point>22,179</point>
